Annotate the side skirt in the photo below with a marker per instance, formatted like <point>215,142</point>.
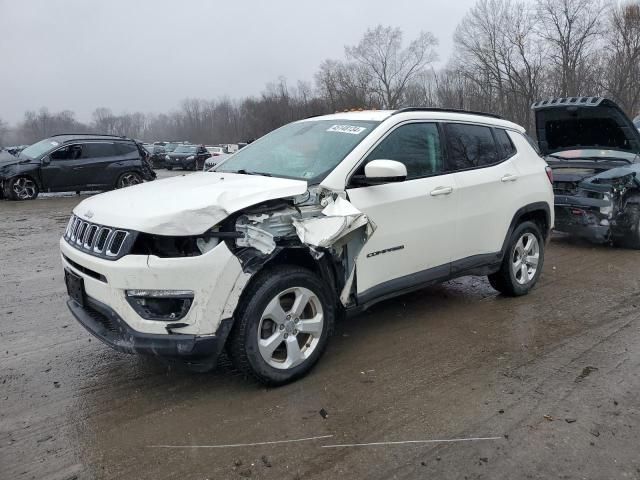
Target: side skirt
<point>484,264</point>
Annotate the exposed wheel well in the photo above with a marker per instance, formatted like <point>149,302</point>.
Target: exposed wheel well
<point>539,217</point>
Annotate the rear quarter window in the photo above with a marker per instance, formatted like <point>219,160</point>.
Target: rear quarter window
<point>507,148</point>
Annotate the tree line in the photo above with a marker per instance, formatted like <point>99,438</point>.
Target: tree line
<point>507,54</point>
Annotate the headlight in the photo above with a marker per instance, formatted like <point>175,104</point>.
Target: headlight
<point>167,157</point>
<point>191,157</point>
<point>162,305</point>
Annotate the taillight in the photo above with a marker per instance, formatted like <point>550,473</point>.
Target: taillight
<point>549,174</point>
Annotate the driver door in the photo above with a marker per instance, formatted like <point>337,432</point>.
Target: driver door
<point>415,219</point>
<point>64,171</point>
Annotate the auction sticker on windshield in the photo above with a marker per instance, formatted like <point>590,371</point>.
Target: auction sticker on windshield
<point>351,129</point>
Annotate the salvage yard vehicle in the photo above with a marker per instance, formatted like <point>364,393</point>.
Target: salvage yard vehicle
<point>73,162</point>
<point>214,160</point>
<point>594,151</point>
<point>319,218</point>
<point>187,157</point>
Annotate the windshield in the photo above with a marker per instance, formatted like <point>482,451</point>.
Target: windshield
<point>593,154</point>
<point>186,149</point>
<point>306,150</point>
<point>37,149</point>
<point>170,147</point>
<point>636,122</point>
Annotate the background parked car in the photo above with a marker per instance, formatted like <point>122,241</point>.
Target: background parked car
<point>187,157</point>
<point>64,163</point>
<point>156,155</point>
<point>216,150</point>
<point>214,160</point>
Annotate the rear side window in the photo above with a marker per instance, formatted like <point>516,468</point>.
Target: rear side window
<point>98,150</point>
<point>126,148</point>
<point>507,148</point>
<point>417,145</point>
<point>469,146</point>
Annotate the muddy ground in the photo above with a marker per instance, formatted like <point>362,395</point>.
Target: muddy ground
<point>552,379</point>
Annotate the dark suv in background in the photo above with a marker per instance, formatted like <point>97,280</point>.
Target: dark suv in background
<point>73,162</point>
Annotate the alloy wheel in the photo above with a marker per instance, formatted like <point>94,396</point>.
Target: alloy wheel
<point>526,255</point>
<point>129,179</point>
<point>290,328</point>
<point>24,188</point>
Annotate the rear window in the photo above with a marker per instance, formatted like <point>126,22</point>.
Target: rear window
<point>469,146</point>
<point>97,150</point>
<point>126,148</point>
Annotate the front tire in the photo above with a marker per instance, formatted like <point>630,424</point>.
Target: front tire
<point>169,168</point>
<point>21,188</point>
<point>522,262</point>
<point>282,325</point>
<point>631,238</point>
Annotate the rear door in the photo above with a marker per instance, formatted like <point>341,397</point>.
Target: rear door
<point>414,219</point>
<point>483,162</point>
<point>98,158</point>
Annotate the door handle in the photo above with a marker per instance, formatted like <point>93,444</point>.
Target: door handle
<point>441,191</point>
<point>509,178</point>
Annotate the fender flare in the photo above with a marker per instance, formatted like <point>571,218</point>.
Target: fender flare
<point>518,217</point>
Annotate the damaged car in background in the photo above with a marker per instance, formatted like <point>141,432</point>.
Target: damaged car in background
<point>73,163</point>
<point>593,149</point>
<point>321,217</point>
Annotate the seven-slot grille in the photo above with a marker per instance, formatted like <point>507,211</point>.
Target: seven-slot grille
<point>96,239</point>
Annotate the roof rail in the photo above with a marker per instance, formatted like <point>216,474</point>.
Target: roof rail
<point>568,101</point>
<point>89,134</point>
<point>446,110</point>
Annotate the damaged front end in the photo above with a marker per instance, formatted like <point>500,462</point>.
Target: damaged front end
<point>320,228</point>
<point>596,207</point>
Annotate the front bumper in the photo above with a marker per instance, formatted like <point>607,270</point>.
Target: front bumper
<point>584,221</point>
<point>216,278</point>
<point>106,325</point>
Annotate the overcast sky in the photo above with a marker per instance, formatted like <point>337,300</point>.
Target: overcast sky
<point>147,55</point>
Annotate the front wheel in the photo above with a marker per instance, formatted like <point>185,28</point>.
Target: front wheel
<point>522,262</point>
<point>169,168</point>
<point>21,188</point>
<point>282,326</point>
<point>128,179</point>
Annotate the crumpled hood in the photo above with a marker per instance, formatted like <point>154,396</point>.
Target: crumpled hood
<point>7,159</point>
<point>184,205</point>
<point>575,123</point>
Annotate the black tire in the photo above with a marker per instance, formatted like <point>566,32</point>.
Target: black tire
<point>505,280</point>
<point>631,239</point>
<point>21,188</point>
<point>242,345</point>
<point>127,179</point>
<point>169,168</point>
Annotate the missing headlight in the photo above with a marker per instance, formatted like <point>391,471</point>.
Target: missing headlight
<point>164,246</point>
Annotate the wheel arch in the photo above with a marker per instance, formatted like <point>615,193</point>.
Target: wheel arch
<point>538,212</point>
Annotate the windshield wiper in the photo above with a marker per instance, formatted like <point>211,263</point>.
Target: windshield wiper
<point>242,171</point>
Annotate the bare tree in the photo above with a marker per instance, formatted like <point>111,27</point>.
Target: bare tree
<point>571,28</point>
<point>622,65</point>
<point>389,66</point>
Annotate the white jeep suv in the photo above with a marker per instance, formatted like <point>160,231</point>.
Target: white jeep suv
<point>323,216</point>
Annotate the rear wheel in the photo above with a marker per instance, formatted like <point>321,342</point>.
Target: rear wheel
<point>21,188</point>
<point>522,262</point>
<point>283,326</point>
<point>128,179</point>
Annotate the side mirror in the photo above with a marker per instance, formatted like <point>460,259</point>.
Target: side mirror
<point>46,160</point>
<point>378,172</point>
